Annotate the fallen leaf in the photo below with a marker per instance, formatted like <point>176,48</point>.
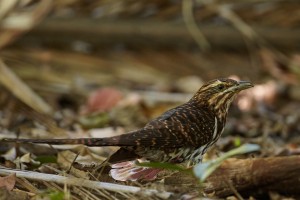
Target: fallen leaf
<point>8,181</point>
<point>103,100</point>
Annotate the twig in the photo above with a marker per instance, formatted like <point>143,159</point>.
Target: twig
<point>225,12</point>
<point>187,13</point>
<point>6,7</point>
<point>21,22</point>
<point>84,183</point>
<point>21,90</point>
<point>26,184</point>
<point>247,31</point>
<point>234,190</point>
<point>21,191</point>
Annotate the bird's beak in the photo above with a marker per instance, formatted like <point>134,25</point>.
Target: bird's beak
<point>242,85</point>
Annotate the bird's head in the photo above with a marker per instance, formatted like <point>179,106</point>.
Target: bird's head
<point>219,93</point>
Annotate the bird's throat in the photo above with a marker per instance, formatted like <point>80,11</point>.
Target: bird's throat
<point>220,105</point>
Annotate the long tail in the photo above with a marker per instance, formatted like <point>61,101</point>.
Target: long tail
<point>129,139</point>
<point>112,141</point>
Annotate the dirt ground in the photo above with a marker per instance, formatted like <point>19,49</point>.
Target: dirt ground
<point>73,69</point>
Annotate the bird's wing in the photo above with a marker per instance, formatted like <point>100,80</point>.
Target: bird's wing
<point>167,134</point>
<point>165,116</point>
<point>122,155</point>
<point>184,125</point>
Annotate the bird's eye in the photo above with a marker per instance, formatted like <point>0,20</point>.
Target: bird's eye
<point>221,87</point>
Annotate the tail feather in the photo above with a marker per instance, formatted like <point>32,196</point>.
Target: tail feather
<point>120,140</point>
<point>84,141</point>
<point>129,171</point>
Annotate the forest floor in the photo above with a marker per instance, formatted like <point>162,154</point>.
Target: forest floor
<point>105,68</point>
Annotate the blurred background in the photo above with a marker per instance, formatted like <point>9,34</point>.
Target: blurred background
<point>81,68</point>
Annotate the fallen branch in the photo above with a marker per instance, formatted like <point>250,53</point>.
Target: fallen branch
<point>250,176</point>
<point>280,174</point>
<point>84,183</point>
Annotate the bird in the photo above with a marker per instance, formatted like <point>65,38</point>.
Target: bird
<point>181,135</point>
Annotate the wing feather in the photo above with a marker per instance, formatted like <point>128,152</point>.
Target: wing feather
<point>185,125</point>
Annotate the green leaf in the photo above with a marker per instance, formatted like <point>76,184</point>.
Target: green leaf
<point>96,120</point>
<point>56,195</point>
<point>46,159</point>
<point>237,142</point>
<point>203,170</point>
<point>52,195</point>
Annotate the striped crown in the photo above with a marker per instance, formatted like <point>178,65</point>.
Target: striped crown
<point>219,93</point>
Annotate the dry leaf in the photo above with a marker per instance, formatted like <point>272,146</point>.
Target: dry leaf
<point>8,181</point>
<point>103,100</point>
<point>65,160</point>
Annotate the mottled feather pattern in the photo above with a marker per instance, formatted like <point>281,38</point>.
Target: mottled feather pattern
<point>187,126</point>
<point>180,135</point>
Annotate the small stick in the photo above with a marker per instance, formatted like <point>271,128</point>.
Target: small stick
<point>84,183</point>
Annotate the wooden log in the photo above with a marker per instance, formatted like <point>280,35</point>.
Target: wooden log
<point>250,177</point>
<point>279,174</point>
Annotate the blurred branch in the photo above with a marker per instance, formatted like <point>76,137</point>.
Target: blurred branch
<point>63,32</point>
<point>187,13</point>
<point>21,90</point>
<point>6,7</point>
<point>225,12</point>
<point>14,23</point>
<point>246,30</point>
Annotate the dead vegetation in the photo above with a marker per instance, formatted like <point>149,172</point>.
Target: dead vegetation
<point>101,68</point>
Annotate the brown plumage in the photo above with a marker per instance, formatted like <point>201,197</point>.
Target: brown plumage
<point>180,135</point>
